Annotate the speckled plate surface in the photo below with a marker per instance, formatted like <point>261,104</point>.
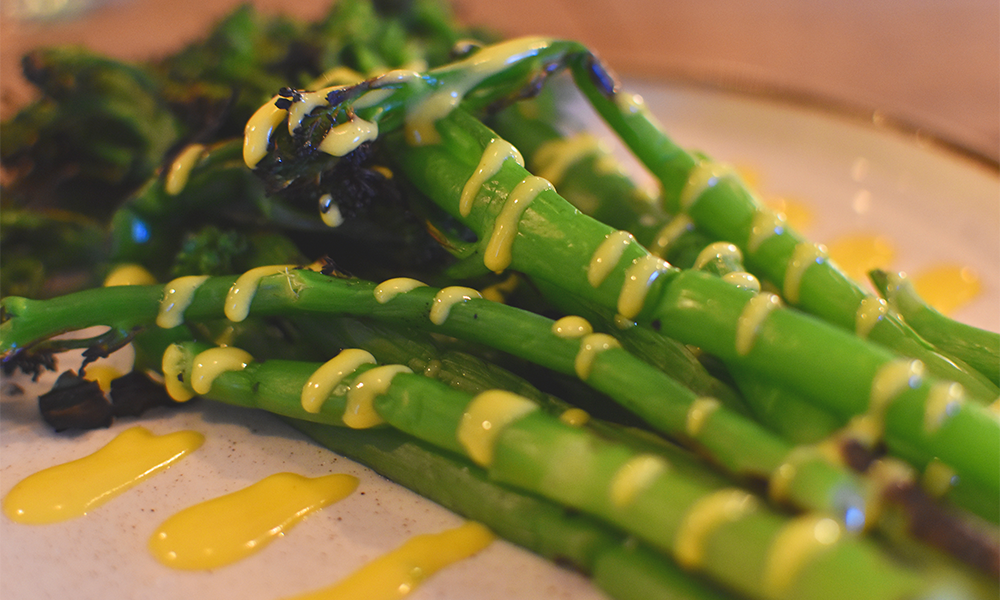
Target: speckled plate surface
<point>935,207</point>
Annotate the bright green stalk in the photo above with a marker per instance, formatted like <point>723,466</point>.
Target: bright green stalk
<point>626,571</point>
<point>498,73</point>
<point>835,369</point>
<point>977,347</point>
<point>538,453</point>
<point>726,209</point>
<point>740,446</point>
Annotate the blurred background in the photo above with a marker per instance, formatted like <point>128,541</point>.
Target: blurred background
<point>932,64</point>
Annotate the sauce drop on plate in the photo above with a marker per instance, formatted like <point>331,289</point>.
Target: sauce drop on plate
<point>396,574</point>
<point>947,287</point>
<point>858,254</point>
<point>226,529</point>
<point>72,489</point>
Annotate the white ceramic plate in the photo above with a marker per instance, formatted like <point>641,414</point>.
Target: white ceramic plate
<point>935,205</point>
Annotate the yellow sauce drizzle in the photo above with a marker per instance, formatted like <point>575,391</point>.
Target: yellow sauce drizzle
<point>304,104</point>
<point>638,279</point>
<point>938,478</point>
<point>102,375</point>
<point>572,327</point>
<point>360,410</point>
<point>698,414</point>
<point>389,289</point>
<point>674,228</point>
<point>241,294</point>
<point>704,517</point>
<point>337,75</point>
<point>180,169</point>
<point>371,98</point>
<point>345,138</point>
<point>856,255</point>
<point>211,363</point>
<point>742,280</point>
<point>229,528</point>
<point>717,251</point>
<point>947,288</point>
<point>496,153</point>
<point>497,255</point>
<point>177,296</point>
<point>577,417</point>
<point>257,134</point>
<point>750,320</point>
<point>891,380</point>
<point>323,381</point>
<point>704,175</point>
<point>75,488</point>
<point>804,256</point>
<point>174,364</point>
<point>485,417</point>
<point>607,256</point>
<point>635,476</point>
<point>422,117</point>
<point>129,274</point>
<point>498,292</point>
<point>590,346</point>
<point>780,481</point>
<point>799,542</point>
<point>448,297</point>
<point>630,103</point>
<point>553,158</point>
<point>870,312</point>
<point>943,401</point>
<point>329,211</point>
<point>883,474</point>
<point>396,574</point>
<point>766,223</point>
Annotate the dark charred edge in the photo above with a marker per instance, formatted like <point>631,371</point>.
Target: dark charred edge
<point>75,403</point>
<point>329,268</point>
<point>529,90</point>
<point>28,362</point>
<point>927,520</point>
<point>107,344</point>
<point>602,77</point>
<point>856,455</point>
<point>134,393</point>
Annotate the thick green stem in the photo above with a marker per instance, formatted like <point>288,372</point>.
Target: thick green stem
<point>977,347</point>
<point>624,570</point>
<point>832,368</point>
<point>737,444</point>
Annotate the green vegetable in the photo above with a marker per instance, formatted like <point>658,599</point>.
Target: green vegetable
<point>699,360</point>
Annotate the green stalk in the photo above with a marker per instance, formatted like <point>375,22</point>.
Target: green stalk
<point>833,368</point>
<point>738,445</point>
<point>725,209</point>
<point>626,571</point>
<point>977,347</point>
<point>538,453</point>
<point>504,71</point>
